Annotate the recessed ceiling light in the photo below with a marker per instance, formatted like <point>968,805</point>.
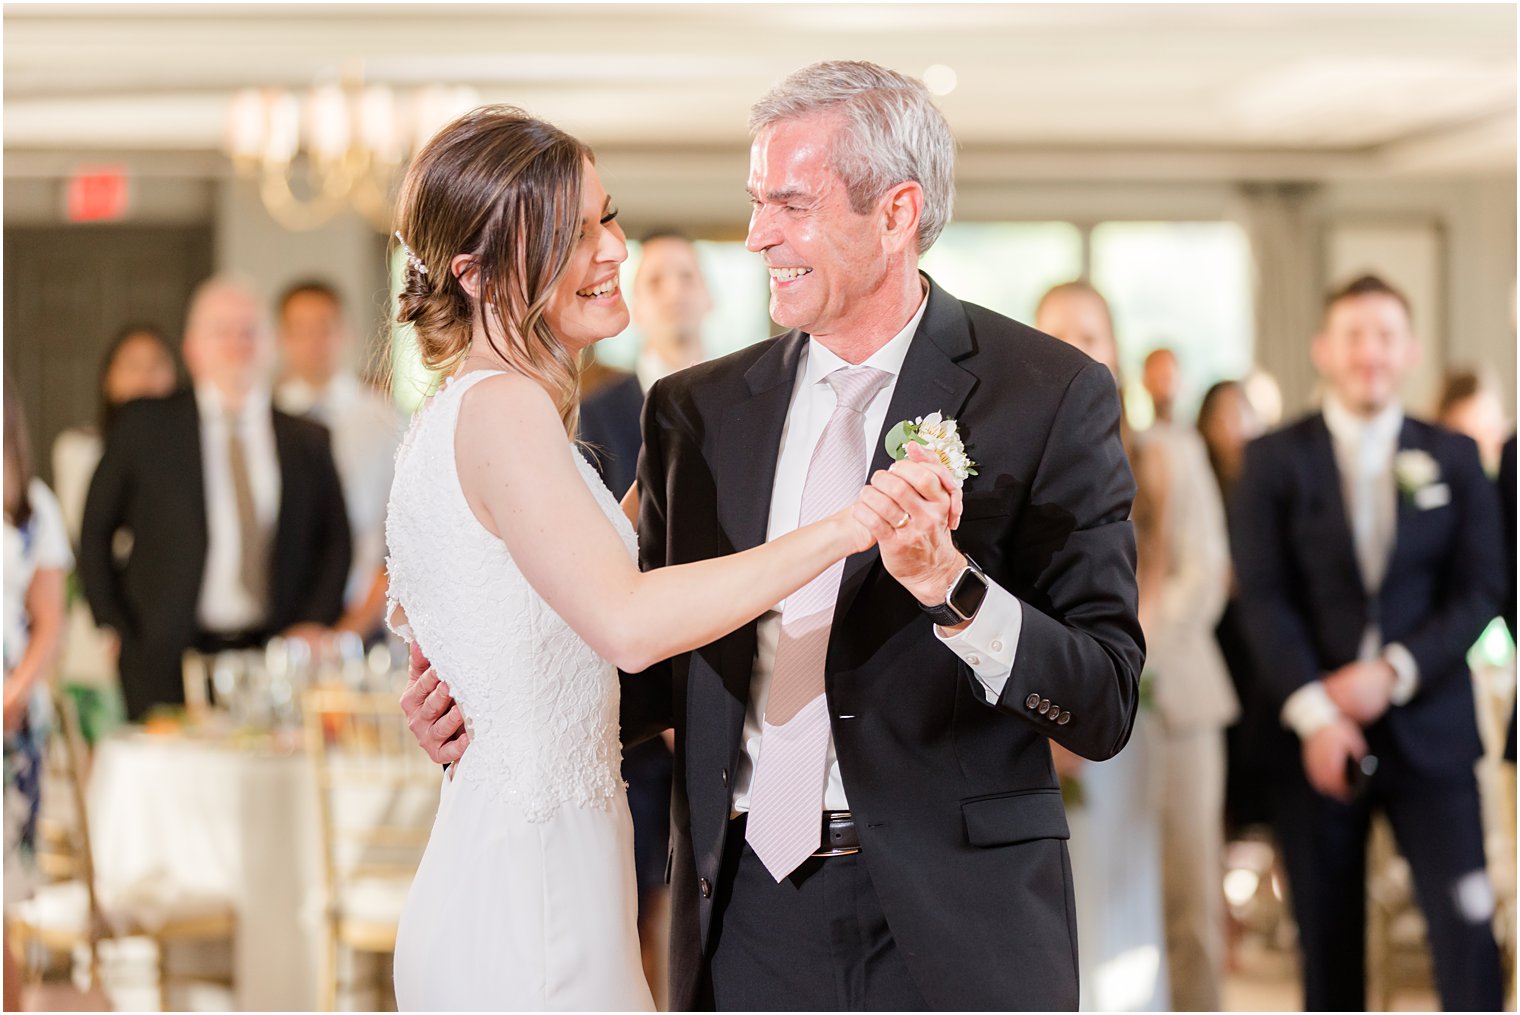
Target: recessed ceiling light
<point>939,79</point>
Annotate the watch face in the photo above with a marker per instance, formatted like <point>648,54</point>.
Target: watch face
<point>968,593</point>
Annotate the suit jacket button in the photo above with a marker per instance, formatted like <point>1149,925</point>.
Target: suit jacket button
<point>1055,713</point>
<point>706,887</point>
<point>1044,705</point>
<point>1065,718</point>
<point>1033,701</point>
<point>725,778</point>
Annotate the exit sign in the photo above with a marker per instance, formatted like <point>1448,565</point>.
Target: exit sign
<point>96,194</point>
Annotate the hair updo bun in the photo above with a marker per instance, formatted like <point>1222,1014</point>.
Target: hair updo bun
<point>505,189</point>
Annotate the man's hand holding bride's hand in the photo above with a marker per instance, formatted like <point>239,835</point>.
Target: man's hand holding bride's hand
<point>431,714</point>
<point>912,509</point>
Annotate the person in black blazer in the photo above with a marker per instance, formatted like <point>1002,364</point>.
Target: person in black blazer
<point>213,564</point>
<point>1364,545</point>
<point>944,880</point>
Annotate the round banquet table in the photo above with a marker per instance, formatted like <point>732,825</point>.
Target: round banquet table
<point>173,815</point>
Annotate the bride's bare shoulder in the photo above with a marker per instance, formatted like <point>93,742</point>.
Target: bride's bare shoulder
<point>509,400</point>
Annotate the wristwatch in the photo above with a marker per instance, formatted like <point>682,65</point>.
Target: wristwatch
<point>963,598</point>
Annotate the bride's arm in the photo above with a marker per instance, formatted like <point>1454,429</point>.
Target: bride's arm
<point>521,481</point>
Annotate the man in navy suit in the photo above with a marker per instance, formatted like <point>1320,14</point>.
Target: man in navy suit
<point>1365,544</point>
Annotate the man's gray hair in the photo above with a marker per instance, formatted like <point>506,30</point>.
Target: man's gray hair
<point>892,133</point>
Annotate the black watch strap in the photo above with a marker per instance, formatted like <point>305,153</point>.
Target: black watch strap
<point>942,613</point>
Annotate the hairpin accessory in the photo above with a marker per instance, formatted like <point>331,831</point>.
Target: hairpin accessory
<point>411,255</point>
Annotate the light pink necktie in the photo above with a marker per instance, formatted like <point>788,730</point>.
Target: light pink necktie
<point>786,797</point>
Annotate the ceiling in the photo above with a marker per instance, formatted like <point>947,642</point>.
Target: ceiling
<point>1054,90</point>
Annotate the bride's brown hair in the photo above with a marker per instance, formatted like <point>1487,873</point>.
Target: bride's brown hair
<point>504,188</point>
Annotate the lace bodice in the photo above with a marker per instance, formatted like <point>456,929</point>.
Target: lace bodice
<point>540,705</point>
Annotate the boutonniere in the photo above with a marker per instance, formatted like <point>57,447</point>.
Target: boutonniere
<point>939,435</point>
<point>1419,479</point>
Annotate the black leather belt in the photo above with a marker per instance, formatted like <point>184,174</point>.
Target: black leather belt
<point>839,837</point>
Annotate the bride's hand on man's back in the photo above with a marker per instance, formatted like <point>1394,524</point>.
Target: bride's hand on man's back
<point>431,714</point>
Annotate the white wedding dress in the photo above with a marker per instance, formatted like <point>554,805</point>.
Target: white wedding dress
<point>525,898</point>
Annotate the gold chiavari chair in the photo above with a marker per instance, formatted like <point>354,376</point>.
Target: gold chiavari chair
<point>65,914</point>
<point>376,795</point>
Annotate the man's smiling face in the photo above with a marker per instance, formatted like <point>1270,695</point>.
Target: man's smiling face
<point>823,256</point>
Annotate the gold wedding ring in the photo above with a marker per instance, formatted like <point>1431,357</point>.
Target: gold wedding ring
<point>904,520</point>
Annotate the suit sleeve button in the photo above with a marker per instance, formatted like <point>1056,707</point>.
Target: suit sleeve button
<point>1065,718</point>
<point>1033,701</point>
<point>1055,713</point>
<point>1044,705</point>
<point>706,887</point>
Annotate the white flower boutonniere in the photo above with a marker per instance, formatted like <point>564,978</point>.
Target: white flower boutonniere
<point>1415,470</point>
<point>939,435</point>
<point>1418,476</point>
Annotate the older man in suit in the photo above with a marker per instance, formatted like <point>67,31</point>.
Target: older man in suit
<point>1366,549</point>
<point>234,510</point>
<point>874,822</point>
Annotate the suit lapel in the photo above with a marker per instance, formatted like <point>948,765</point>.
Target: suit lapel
<point>287,450</point>
<point>1406,515</point>
<point>744,473</point>
<point>749,442</point>
<point>931,381</point>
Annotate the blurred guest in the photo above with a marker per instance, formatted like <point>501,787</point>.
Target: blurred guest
<point>139,363</point>
<point>1364,545</point>
<point>316,347</point>
<point>1470,404</point>
<point>1227,422</point>
<point>670,301</point>
<point>1184,577</point>
<point>235,511</point>
<point>37,558</point>
<point>1159,376</point>
<point>1116,834</point>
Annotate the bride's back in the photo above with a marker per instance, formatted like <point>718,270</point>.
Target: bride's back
<point>539,704</point>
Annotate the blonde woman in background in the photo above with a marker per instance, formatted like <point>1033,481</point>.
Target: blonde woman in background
<point>1116,851</point>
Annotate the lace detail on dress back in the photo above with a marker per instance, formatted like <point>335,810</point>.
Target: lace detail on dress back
<point>540,705</point>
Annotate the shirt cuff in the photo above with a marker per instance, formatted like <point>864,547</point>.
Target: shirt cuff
<point>1309,710</point>
<point>989,643</point>
<point>1406,679</point>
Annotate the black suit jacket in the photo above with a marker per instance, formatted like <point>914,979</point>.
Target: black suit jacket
<point>149,483</point>
<point>955,800</point>
<point>1305,608</point>
<point>610,426</point>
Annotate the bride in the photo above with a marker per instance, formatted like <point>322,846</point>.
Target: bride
<point>516,569</point>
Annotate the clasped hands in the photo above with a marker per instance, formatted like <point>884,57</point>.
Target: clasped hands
<point>1362,692</point>
<point>909,510</point>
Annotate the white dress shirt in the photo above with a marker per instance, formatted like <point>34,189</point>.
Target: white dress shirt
<point>1364,454</point>
<point>366,431</point>
<point>986,642</point>
<point>224,603</point>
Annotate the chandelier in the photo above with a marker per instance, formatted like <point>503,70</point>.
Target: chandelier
<point>335,147</point>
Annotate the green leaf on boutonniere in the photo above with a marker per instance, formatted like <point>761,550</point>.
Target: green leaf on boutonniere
<point>898,438</point>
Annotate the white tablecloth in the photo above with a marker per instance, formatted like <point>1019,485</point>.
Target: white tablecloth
<point>172,816</point>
